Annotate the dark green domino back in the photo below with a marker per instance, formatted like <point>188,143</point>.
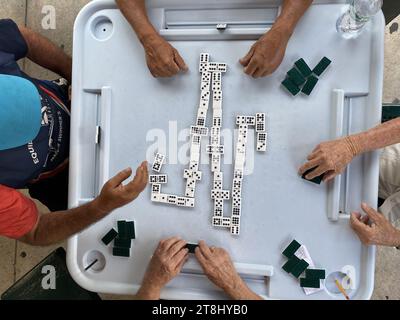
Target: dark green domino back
<point>191,247</point>
<point>316,180</point>
<point>310,85</point>
<point>123,243</point>
<point>123,229</point>
<point>291,264</point>
<point>300,268</point>
<point>131,230</point>
<point>121,252</point>
<point>296,77</point>
<point>310,283</point>
<point>291,249</point>
<point>291,86</point>
<point>390,112</point>
<point>322,66</point>
<point>303,67</point>
<point>109,237</point>
<point>315,273</point>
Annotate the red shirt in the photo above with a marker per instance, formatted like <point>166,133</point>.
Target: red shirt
<point>18,214</point>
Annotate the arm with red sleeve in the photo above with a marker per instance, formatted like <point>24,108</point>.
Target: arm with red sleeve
<point>19,217</point>
<point>18,214</point>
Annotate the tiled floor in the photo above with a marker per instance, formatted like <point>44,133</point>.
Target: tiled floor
<point>16,258</point>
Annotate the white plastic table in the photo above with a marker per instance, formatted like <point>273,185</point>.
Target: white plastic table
<point>115,95</point>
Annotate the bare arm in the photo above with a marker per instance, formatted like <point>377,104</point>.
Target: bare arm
<point>292,11</point>
<point>46,54</point>
<point>381,136</point>
<point>266,55</point>
<point>163,60</point>
<point>136,14</point>
<point>332,157</point>
<point>57,226</point>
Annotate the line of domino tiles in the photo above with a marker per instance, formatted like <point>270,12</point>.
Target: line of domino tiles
<point>216,150</point>
<point>157,180</point>
<point>243,122</point>
<point>192,174</point>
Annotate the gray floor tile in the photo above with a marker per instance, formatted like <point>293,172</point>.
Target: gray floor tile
<point>14,10</point>
<point>7,256</point>
<point>387,275</point>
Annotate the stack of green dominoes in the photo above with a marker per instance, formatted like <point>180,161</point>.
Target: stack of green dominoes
<point>296,267</point>
<point>122,239</point>
<point>302,78</point>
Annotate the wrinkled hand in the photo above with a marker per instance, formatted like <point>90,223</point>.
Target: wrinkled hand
<point>166,264</point>
<point>115,195</point>
<point>217,266</point>
<point>374,228</point>
<point>266,55</point>
<point>162,59</point>
<point>329,158</point>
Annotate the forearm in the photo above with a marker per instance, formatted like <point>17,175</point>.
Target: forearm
<point>292,11</point>
<point>238,290</point>
<point>136,14</point>
<point>46,54</point>
<point>379,137</point>
<point>55,227</point>
<point>148,292</point>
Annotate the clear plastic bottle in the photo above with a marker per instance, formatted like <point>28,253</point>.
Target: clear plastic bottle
<point>351,23</point>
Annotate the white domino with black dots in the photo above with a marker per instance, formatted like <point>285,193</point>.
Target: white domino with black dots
<point>261,131</point>
<point>158,162</point>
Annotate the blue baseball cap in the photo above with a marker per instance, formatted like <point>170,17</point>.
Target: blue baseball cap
<point>20,112</point>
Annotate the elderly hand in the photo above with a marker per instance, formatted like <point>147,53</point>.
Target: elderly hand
<point>219,268</point>
<point>166,264</point>
<point>115,195</point>
<point>330,158</point>
<point>162,59</point>
<point>266,55</point>
<point>374,228</point>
